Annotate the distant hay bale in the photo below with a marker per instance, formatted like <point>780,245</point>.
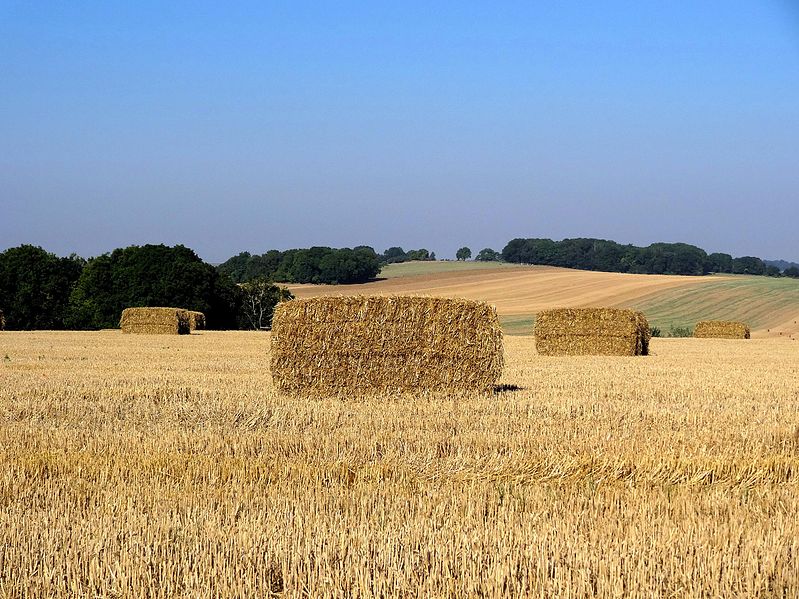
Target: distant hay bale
<point>333,345</point>
<point>155,321</point>
<point>196,320</point>
<point>721,329</point>
<point>592,331</point>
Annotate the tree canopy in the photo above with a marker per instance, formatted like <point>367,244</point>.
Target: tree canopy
<point>312,265</point>
<point>609,256</point>
<point>35,287</point>
<point>151,275</point>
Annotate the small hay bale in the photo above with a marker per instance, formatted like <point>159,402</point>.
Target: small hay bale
<point>196,320</point>
<point>155,321</point>
<point>721,329</point>
<point>592,331</point>
<point>358,345</point>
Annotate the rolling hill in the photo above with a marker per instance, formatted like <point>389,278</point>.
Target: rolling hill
<point>770,306</point>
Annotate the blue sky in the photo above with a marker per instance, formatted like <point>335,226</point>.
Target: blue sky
<point>275,125</point>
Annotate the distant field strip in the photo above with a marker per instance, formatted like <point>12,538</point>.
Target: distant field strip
<point>761,302</point>
<point>519,292</point>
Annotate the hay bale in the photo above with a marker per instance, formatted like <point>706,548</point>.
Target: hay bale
<point>721,329</point>
<point>196,320</point>
<point>592,331</point>
<point>333,345</point>
<point>155,321</point>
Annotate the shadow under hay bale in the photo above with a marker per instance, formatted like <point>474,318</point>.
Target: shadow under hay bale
<point>337,345</point>
<point>721,329</point>
<point>155,321</point>
<point>196,320</point>
<point>592,331</point>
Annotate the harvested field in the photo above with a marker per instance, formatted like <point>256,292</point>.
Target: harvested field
<point>385,344</point>
<point>196,320</point>
<point>136,466</point>
<point>769,305</point>
<point>591,331</point>
<point>155,321</point>
<point>721,329</point>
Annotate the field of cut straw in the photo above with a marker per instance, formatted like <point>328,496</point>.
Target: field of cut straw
<point>154,466</point>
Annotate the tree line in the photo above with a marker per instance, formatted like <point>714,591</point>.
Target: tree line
<point>325,265</point>
<point>609,256</point>
<point>39,290</point>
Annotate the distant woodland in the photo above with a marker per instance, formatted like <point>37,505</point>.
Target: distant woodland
<point>39,290</point>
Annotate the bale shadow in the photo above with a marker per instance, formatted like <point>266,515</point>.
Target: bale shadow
<point>506,388</point>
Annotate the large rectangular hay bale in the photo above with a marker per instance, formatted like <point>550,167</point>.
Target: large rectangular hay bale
<point>155,321</point>
<point>385,344</point>
<point>196,320</point>
<point>592,331</point>
<point>721,329</point>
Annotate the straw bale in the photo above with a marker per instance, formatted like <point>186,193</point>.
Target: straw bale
<point>353,345</point>
<point>592,331</point>
<point>155,321</point>
<point>196,320</point>
<point>721,329</point>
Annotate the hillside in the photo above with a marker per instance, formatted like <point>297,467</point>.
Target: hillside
<point>770,306</point>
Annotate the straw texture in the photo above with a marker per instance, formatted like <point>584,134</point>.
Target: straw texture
<point>155,321</point>
<point>333,345</point>
<point>196,320</point>
<point>721,329</point>
<point>592,331</point>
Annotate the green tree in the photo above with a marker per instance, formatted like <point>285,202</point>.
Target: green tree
<point>791,271</point>
<point>748,265</point>
<point>35,286</point>
<point>259,298</point>
<point>488,255</point>
<point>463,253</point>
<point>151,275</point>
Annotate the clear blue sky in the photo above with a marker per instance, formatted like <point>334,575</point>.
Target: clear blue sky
<point>422,124</point>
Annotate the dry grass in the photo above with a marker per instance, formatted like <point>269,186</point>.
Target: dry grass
<point>143,466</point>
<point>361,345</point>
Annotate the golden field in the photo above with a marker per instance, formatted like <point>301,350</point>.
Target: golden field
<point>160,466</point>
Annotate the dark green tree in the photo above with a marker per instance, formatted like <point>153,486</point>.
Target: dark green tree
<point>717,262</point>
<point>748,265</point>
<point>463,253</point>
<point>35,286</point>
<point>151,275</point>
<point>488,255</point>
<point>791,271</point>
<point>309,265</point>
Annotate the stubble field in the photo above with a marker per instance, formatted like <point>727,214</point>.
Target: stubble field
<point>156,466</point>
